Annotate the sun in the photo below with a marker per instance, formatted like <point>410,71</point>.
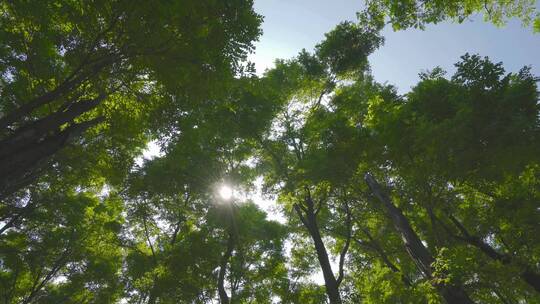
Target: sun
<point>226,192</point>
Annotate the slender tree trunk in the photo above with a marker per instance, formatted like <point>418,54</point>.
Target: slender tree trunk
<point>152,297</point>
<point>309,219</point>
<point>332,287</point>
<point>223,297</point>
<point>453,294</point>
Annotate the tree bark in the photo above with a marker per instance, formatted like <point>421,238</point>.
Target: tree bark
<point>223,297</point>
<point>34,132</point>
<point>35,137</point>
<point>452,294</point>
<point>17,168</point>
<point>309,219</point>
<point>343,253</point>
<point>331,284</point>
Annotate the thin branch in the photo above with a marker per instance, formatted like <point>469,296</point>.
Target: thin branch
<point>147,235</point>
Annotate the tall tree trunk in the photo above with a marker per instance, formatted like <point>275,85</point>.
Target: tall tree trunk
<point>21,138</point>
<point>453,294</point>
<point>332,287</point>
<point>20,168</point>
<point>308,217</point>
<point>223,297</point>
<point>34,132</point>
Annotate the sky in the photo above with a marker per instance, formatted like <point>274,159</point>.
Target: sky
<point>291,25</point>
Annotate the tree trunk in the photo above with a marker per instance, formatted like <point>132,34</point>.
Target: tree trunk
<point>332,287</point>
<point>20,168</point>
<point>223,297</point>
<point>45,133</point>
<point>453,294</point>
<point>35,132</point>
<point>310,222</point>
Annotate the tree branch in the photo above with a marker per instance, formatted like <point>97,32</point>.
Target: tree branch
<point>298,210</point>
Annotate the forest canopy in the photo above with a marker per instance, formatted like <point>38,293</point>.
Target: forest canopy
<point>427,196</point>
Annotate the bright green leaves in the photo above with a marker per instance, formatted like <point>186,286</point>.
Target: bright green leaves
<point>459,154</point>
<point>536,24</point>
<point>159,70</point>
<point>141,60</point>
<point>340,56</point>
<point>345,48</point>
<point>179,222</point>
<point>471,124</point>
<point>67,249</point>
<point>406,14</point>
<point>450,147</point>
<point>312,152</point>
<point>447,147</point>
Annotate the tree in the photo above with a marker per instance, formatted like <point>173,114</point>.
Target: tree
<point>68,67</point>
<point>451,170</point>
<point>290,154</point>
<point>418,252</point>
<point>329,144</point>
<point>66,251</point>
<point>427,197</point>
<point>252,261</point>
<point>406,14</point>
<point>180,225</point>
<point>216,245</point>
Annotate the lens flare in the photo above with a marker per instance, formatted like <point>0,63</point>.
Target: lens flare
<point>226,192</point>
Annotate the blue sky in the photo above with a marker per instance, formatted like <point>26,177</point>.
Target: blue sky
<point>290,25</point>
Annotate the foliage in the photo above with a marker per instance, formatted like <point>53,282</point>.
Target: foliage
<point>427,197</point>
<point>417,14</point>
<point>120,68</point>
